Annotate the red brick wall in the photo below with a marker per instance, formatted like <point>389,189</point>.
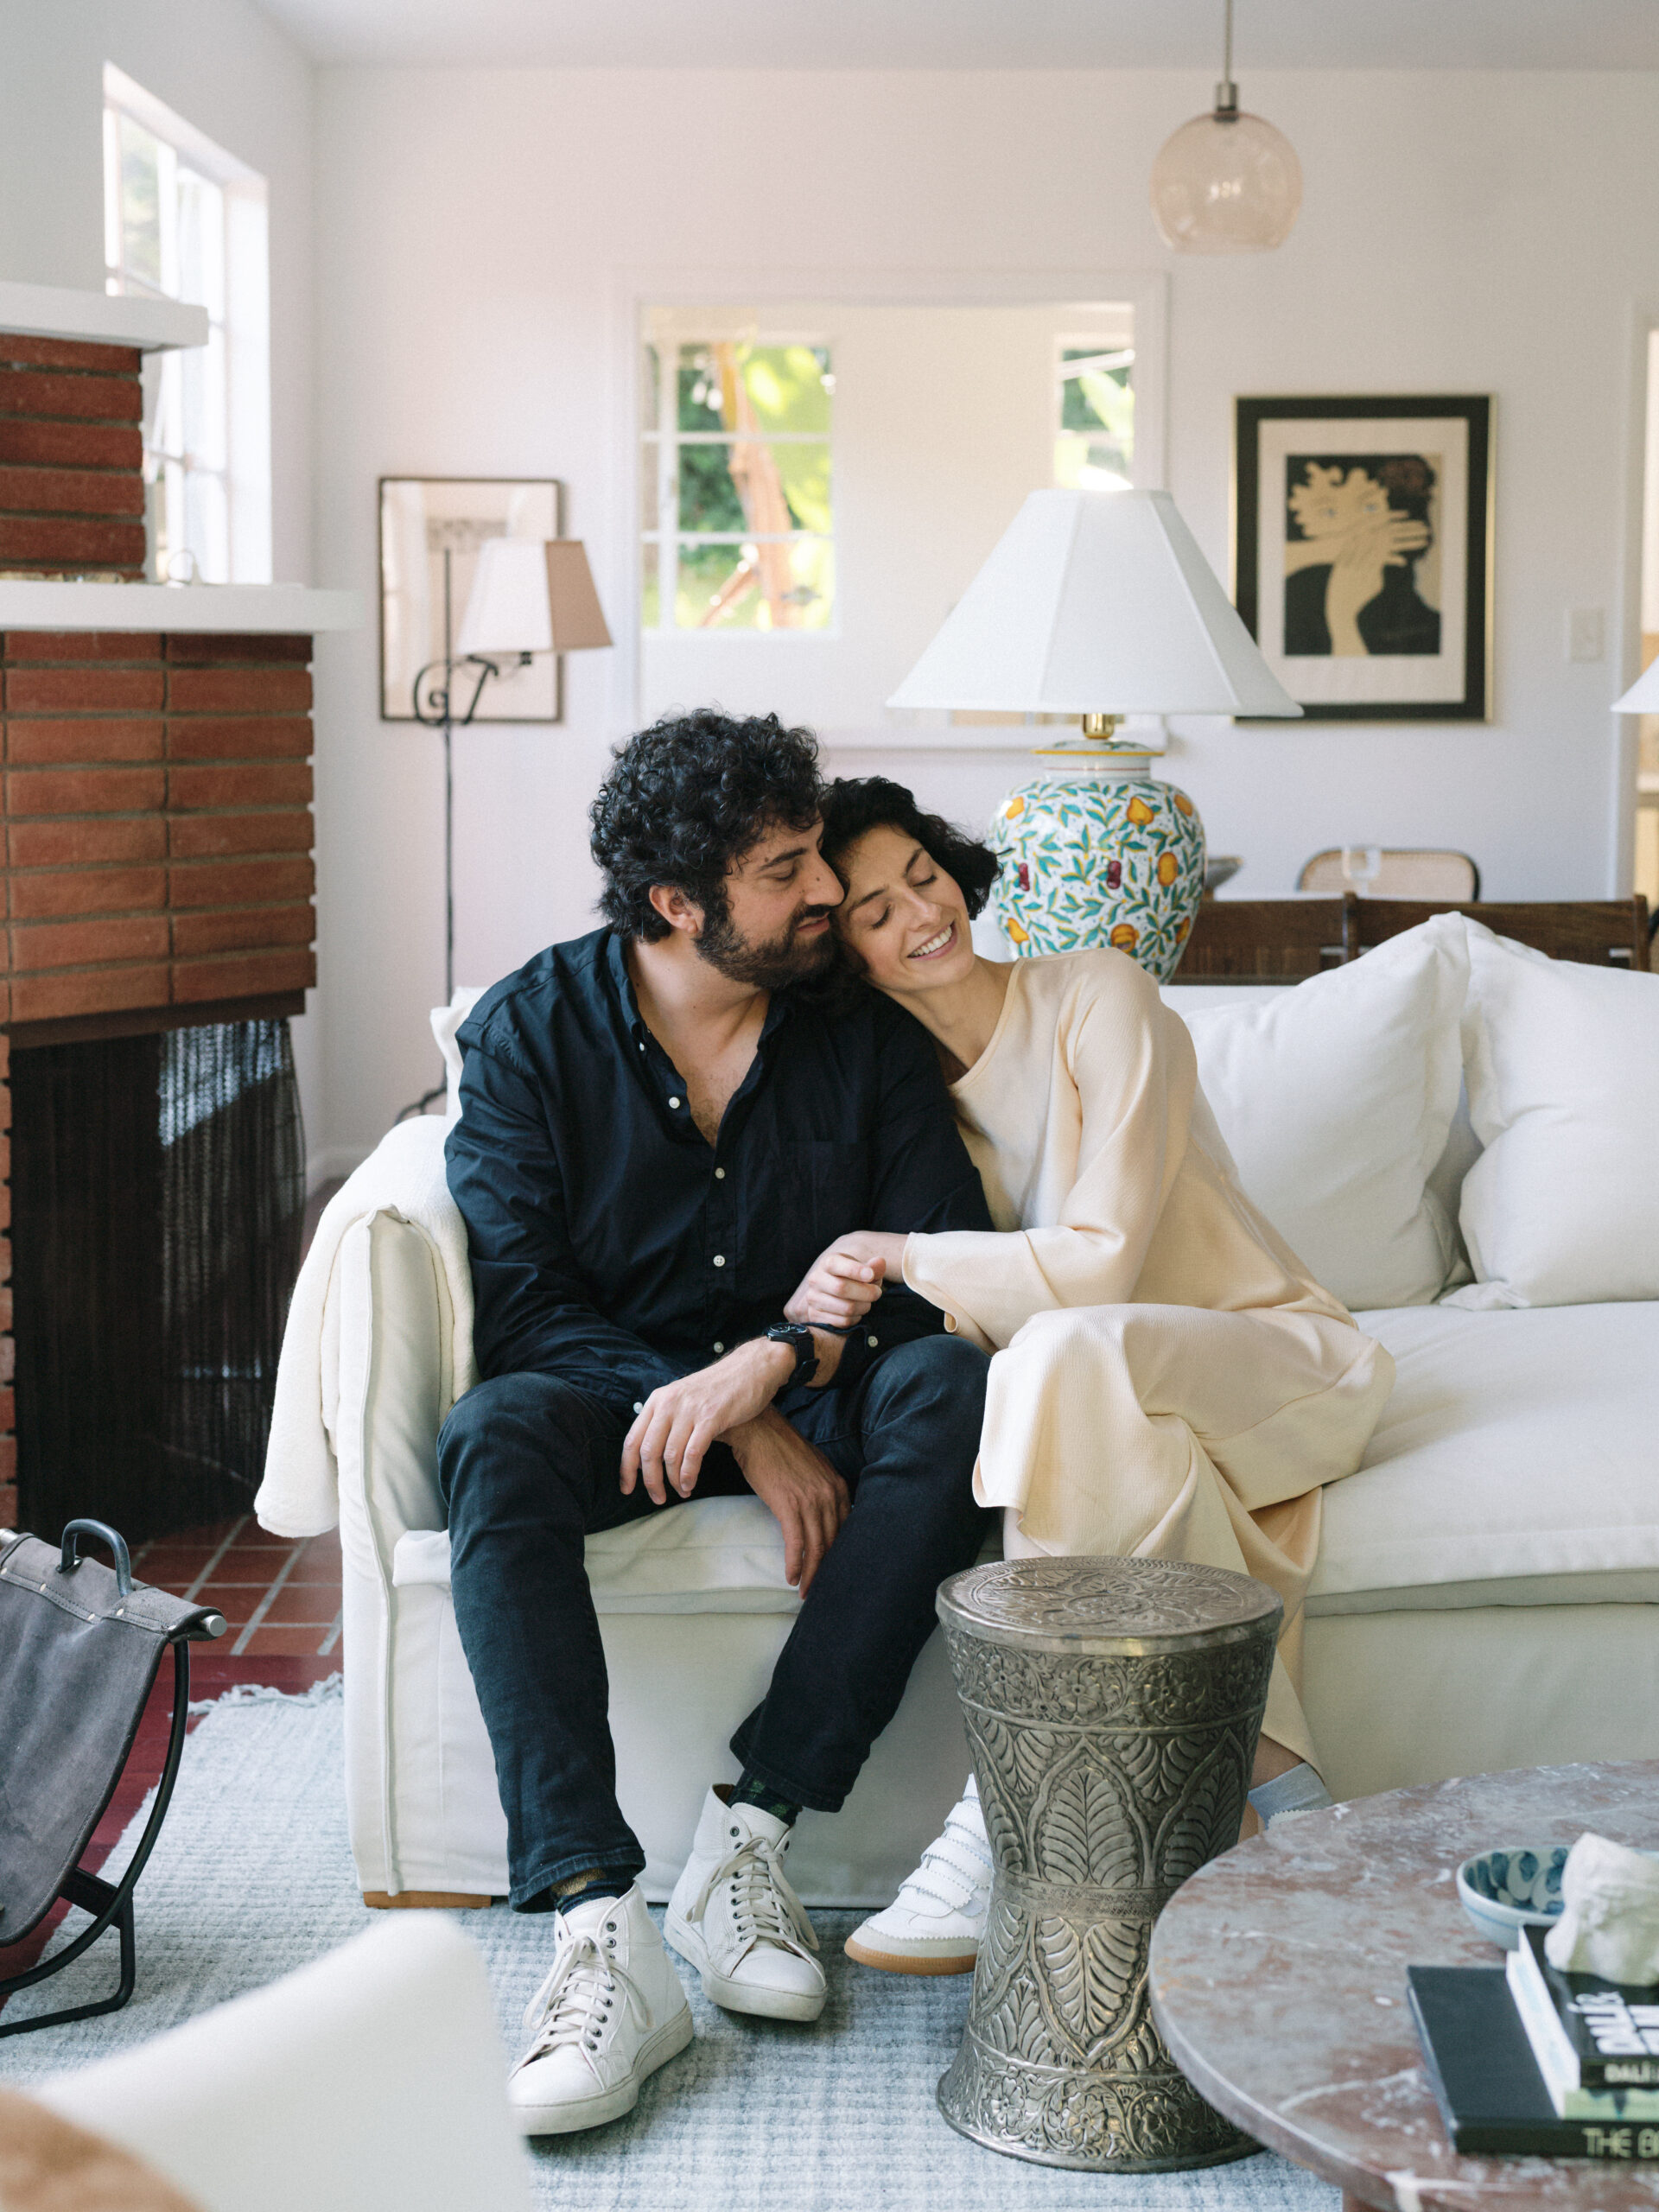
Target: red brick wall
<point>156,801</point>
<point>72,488</point>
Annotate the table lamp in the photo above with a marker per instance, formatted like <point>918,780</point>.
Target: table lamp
<point>1097,604</point>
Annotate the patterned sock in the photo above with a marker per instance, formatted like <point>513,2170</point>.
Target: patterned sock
<point>753,1791</point>
<point>1298,1790</point>
<point>582,1888</point>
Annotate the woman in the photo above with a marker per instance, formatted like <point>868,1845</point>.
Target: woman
<point>1168,1379</point>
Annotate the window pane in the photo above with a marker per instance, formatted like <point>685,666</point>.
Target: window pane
<point>1095,448</point>
<point>202,402</point>
<point>207,525</point>
<point>756,587</point>
<point>651,590</point>
<point>163,390</point>
<point>753,485</point>
<point>699,388</point>
<point>788,387</point>
<point>650,389</point>
<point>141,202</point>
<point>202,244</point>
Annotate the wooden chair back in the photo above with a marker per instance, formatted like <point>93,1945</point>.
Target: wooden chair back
<point>1285,940</point>
<point>1263,940</point>
<point>1599,932</point>
<point>1406,872</point>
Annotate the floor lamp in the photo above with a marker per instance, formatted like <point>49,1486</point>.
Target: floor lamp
<point>529,596</point>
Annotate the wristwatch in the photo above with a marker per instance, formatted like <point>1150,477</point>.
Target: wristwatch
<point>806,1352</point>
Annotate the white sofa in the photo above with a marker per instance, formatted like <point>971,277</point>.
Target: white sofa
<point>1450,1118</point>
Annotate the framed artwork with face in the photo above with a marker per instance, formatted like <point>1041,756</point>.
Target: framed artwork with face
<point>1362,553</point>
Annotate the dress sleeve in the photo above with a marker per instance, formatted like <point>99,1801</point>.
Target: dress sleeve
<point>1132,1066</point>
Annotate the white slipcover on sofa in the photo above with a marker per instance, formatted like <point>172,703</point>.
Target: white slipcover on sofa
<point>1455,1133</point>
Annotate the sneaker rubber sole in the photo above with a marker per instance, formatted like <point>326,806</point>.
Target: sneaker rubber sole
<point>910,1961</point>
<point>738,1996</point>
<point>568,2118</point>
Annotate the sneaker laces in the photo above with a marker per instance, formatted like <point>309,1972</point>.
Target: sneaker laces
<point>954,1867</point>
<point>764,1908</point>
<point>573,2004</point>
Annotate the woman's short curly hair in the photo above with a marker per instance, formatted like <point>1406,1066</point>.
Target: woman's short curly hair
<point>688,796</point>
<point>854,804</point>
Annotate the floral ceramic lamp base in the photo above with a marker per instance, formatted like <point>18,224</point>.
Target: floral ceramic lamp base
<point>1099,854</point>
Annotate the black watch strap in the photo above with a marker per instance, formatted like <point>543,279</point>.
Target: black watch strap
<point>806,1352</point>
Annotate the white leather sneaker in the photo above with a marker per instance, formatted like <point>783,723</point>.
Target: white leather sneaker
<point>736,1919</point>
<point>936,1923</point>
<point>611,2012</point>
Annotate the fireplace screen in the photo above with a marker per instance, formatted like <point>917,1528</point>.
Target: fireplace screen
<point>158,1191</point>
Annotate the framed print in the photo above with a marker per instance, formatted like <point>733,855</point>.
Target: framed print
<point>1362,553</point>
<point>431,527</point>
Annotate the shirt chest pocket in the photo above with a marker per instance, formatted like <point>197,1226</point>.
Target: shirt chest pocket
<point>827,1187</point>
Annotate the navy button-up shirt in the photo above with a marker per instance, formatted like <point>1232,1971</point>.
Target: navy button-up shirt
<point>612,1245</point>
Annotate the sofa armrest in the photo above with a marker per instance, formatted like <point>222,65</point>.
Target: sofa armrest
<point>393,1323</point>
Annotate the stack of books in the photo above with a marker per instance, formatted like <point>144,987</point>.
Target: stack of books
<point>1534,2061</point>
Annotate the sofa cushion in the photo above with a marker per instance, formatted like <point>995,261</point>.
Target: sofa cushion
<point>1336,1099</point>
<point>712,1555</point>
<point>1514,1465</point>
<point>1562,1207</point>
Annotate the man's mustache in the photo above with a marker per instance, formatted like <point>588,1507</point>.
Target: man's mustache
<point>811,914</point>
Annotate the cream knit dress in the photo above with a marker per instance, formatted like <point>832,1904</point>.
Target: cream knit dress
<point>1168,1380</point>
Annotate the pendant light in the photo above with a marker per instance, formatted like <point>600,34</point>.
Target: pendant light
<point>1227,182</point>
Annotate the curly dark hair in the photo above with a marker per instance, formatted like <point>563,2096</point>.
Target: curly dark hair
<point>688,796</point>
<point>854,804</point>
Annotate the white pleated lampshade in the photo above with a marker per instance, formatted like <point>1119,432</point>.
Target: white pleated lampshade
<point>1642,697</point>
<point>1096,603</point>
<point>532,596</point>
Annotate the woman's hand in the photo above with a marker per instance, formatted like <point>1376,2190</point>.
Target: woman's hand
<point>845,1281</point>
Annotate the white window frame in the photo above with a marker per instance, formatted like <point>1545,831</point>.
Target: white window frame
<point>666,437</point>
<point>763,291</point>
<point>244,329</point>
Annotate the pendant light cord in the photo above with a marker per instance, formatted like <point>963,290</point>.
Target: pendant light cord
<point>1227,91</point>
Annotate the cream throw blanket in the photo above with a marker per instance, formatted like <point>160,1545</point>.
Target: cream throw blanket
<point>403,1176</point>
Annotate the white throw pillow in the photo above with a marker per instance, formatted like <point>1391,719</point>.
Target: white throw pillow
<point>1562,1207</point>
<point>1336,1099</point>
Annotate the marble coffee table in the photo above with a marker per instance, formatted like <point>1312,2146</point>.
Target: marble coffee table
<point>1278,1978</point>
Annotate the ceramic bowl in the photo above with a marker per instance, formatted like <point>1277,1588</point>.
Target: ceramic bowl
<point>1503,1891</point>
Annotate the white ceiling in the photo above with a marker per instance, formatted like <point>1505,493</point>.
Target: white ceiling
<point>980,33</point>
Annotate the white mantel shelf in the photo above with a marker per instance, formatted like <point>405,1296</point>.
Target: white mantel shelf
<point>35,603</point>
<point>99,318</point>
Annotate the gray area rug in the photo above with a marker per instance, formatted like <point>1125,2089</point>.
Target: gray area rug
<point>252,1878</point>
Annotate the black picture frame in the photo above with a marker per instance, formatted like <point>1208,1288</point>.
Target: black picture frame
<point>1467,692</point>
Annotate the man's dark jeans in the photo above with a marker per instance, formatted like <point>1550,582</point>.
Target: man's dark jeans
<point>530,1466</point>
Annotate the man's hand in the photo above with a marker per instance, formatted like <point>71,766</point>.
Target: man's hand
<point>844,1281</point>
<point>799,1487</point>
<point>673,1429</point>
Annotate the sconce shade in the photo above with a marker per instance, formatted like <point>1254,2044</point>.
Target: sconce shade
<point>1095,603</point>
<point>532,596</point>
<point>1642,697</point>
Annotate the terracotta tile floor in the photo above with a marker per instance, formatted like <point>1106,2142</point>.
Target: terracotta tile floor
<point>282,1602</point>
<point>281,1599</point>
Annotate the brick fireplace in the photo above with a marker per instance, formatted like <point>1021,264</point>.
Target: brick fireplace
<point>155,791</point>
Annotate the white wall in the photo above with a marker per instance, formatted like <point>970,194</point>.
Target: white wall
<point>1460,233</point>
<point>224,67</point>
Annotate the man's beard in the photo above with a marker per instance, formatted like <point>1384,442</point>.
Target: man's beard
<point>775,963</point>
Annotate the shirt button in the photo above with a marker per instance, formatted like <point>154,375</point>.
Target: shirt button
<point>872,1342</point>
<point>720,1259</point>
<point>719,1174</point>
<point>718,1345</point>
<point>642,1044</point>
<point>639,1405</point>
<point>673,1102</point>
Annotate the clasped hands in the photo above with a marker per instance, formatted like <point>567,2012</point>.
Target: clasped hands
<point>730,1403</point>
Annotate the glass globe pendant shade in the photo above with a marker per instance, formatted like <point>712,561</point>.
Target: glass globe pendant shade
<point>1226,183</point>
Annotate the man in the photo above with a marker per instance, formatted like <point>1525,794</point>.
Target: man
<point>662,1126</point>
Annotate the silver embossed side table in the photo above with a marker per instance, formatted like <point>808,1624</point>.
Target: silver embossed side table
<point>1113,1706</point>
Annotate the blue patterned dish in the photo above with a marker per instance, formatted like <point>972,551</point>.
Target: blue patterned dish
<point>1503,1891</point>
